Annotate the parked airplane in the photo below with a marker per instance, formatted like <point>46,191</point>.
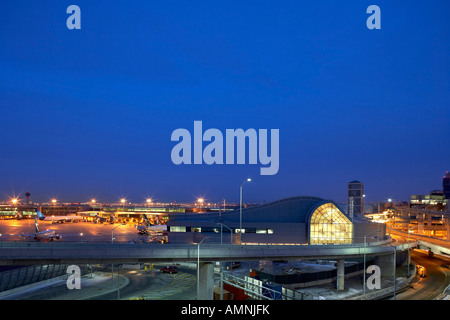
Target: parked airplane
<point>146,227</point>
<point>57,219</point>
<point>48,235</point>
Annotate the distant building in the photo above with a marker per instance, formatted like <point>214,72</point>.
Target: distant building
<point>355,192</point>
<point>433,201</point>
<point>16,212</point>
<point>61,210</point>
<point>446,185</point>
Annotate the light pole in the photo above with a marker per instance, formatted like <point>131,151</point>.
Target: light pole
<point>198,266</point>
<point>240,210</point>
<point>409,249</point>
<point>112,265</point>
<point>14,201</point>
<point>200,202</point>
<point>112,232</point>
<point>395,274</point>
<point>221,228</point>
<point>93,201</point>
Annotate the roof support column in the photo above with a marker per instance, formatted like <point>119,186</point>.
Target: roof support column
<point>340,274</point>
<point>206,281</point>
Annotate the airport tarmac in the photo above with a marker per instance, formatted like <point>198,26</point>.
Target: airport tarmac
<point>13,230</point>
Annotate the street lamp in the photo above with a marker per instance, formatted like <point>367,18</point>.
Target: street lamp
<point>240,210</point>
<point>54,201</point>
<point>409,250</point>
<point>112,232</point>
<point>112,265</point>
<point>14,201</point>
<point>221,232</point>
<point>149,201</point>
<point>395,274</point>
<point>198,265</point>
<point>123,203</point>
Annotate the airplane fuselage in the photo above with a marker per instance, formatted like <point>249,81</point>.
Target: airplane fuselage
<point>46,235</point>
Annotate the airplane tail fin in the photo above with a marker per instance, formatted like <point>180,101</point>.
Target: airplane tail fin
<point>36,225</point>
<point>40,215</point>
<point>146,221</point>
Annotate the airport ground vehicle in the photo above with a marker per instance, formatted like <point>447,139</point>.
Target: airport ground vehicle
<point>421,271</point>
<point>232,265</point>
<point>169,269</point>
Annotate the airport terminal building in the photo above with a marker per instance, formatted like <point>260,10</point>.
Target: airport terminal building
<point>295,220</point>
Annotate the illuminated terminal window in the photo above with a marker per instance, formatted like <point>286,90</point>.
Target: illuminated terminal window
<point>177,229</point>
<point>330,225</point>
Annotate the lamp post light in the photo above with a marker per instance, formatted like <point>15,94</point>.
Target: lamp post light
<point>93,201</point>
<point>14,201</point>
<point>395,274</point>
<point>409,257</point>
<point>221,232</point>
<point>123,204</point>
<point>112,265</point>
<point>112,232</point>
<point>240,210</point>
<point>198,266</point>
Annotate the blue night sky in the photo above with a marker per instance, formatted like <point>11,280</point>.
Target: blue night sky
<point>90,113</point>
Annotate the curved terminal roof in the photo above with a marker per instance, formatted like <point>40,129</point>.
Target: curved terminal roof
<point>288,210</point>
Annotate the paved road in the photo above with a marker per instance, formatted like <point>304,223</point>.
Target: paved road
<point>153,285</point>
<point>150,284</point>
<point>436,280</point>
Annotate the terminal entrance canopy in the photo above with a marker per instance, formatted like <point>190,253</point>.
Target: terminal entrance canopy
<point>330,225</point>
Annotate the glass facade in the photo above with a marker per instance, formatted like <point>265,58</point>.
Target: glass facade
<point>330,226</point>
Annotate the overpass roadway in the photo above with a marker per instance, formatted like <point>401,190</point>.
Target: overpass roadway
<point>435,245</point>
<point>30,253</point>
